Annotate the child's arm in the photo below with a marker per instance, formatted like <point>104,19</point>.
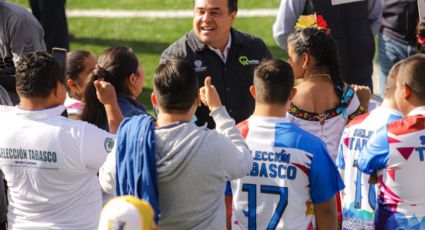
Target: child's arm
<point>235,157</point>
<point>107,173</point>
<point>105,92</point>
<point>326,214</point>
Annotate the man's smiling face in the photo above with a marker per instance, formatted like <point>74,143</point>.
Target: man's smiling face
<point>212,22</point>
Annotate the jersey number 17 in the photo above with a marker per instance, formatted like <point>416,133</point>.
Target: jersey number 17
<point>251,189</point>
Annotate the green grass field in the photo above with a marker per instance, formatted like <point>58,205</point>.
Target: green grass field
<point>149,37</point>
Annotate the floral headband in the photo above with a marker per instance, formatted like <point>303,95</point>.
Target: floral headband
<point>313,21</point>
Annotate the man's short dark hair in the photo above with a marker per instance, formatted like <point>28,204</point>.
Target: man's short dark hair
<point>232,5</point>
<point>175,86</point>
<point>412,72</point>
<point>273,82</point>
<point>37,74</point>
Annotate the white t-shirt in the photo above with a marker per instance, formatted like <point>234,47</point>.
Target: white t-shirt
<point>359,197</point>
<point>291,172</point>
<point>50,164</point>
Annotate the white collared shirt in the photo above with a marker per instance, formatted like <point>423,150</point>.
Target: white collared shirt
<point>417,111</point>
<point>223,55</point>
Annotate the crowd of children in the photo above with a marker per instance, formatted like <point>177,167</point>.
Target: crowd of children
<point>309,156</point>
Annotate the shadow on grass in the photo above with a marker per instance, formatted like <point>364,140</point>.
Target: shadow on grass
<point>148,47</point>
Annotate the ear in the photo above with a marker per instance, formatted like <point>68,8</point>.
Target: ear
<point>293,93</point>
<point>59,92</point>
<point>70,83</point>
<point>252,91</point>
<point>407,91</point>
<point>198,102</point>
<point>153,100</point>
<point>305,60</point>
<point>132,79</point>
<point>233,16</point>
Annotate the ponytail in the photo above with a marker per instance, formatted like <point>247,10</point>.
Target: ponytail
<point>115,66</point>
<point>94,111</point>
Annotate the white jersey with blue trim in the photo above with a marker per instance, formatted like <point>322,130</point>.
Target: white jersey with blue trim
<point>359,197</point>
<point>396,152</point>
<point>287,177</point>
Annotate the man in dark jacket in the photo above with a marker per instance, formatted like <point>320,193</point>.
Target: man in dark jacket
<point>216,49</point>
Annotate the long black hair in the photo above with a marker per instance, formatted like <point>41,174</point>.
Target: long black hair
<point>115,65</point>
<point>324,50</point>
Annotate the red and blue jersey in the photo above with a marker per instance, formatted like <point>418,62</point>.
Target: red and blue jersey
<point>292,171</point>
<point>359,197</point>
<point>396,153</point>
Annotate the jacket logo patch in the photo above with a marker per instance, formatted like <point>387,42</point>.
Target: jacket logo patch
<point>245,61</point>
<point>109,144</point>
<point>199,67</point>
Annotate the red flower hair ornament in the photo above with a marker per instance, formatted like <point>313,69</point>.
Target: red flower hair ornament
<point>313,21</point>
<point>421,40</point>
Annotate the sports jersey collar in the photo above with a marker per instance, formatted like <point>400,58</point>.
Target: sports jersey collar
<point>417,111</point>
<point>255,118</point>
<point>40,114</point>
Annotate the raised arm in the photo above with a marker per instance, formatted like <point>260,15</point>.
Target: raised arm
<point>105,92</point>
<point>233,151</point>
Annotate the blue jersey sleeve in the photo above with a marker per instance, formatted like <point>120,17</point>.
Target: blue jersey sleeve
<point>374,156</point>
<point>325,180</point>
<point>340,162</point>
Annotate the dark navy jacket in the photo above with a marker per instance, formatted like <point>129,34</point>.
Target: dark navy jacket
<point>231,79</point>
<point>129,107</point>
